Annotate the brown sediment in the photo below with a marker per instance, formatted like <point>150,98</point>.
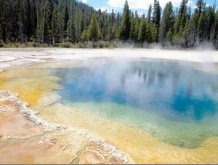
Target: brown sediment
<point>26,138</point>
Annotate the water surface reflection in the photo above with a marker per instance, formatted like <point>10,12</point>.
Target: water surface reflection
<point>174,90</point>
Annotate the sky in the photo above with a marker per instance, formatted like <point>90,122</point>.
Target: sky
<point>140,5</point>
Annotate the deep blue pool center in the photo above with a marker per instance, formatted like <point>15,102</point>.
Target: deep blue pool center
<point>175,90</point>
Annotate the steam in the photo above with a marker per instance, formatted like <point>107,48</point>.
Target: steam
<point>139,83</point>
<point>202,46</point>
<point>205,46</point>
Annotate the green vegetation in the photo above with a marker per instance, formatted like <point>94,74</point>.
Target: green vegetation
<point>167,22</point>
<point>94,32</point>
<point>70,23</point>
<point>126,23</point>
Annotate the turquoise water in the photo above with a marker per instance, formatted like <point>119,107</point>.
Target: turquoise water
<point>174,101</point>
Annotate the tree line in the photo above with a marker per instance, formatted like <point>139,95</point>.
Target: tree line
<point>54,22</point>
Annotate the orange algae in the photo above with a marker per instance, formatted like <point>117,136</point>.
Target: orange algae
<point>29,83</point>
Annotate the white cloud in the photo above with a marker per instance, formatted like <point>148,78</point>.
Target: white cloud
<point>84,1</point>
<point>142,4</point>
<point>106,9</point>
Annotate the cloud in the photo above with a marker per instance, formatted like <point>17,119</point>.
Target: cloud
<point>142,4</point>
<point>84,1</point>
<point>105,9</point>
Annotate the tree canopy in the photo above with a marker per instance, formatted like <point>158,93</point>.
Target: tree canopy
<point>126,24</point>
<point>54,22</point>
<point>94,32</point>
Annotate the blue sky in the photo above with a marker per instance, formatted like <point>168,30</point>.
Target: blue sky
<point>140,5</point>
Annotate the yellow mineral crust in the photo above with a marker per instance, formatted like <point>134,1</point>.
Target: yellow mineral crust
<point>29,83</point>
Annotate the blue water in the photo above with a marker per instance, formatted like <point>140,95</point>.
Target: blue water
<point>177,91</point>
<point>177,102</point>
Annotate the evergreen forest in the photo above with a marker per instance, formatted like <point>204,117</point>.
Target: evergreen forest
<point>71,23</point>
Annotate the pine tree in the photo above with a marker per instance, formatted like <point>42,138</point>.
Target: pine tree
<point>189,14</point>
<point>47,22</point>
<point>20,22</point>
<point>200,6</point>
<point>126,23</point>
<point>77,23</point>
<point>107,28</point>
<point>114,32</point>
<point>156,16</point>
<point>133,30</point>
<point>181,17</point>
<point>142,31</point>
<point>215,40</point>
<point>169,36</point>
<point>94,32</point>
<point>153,30</point>
<point>66,18</point>
<point>54,25</point>
<point>191,31</point>
<point>1,22</point>
<point>68,31</point>
<point>41,10</point>
<point>167,21</point>
<point>73,28</point>
<point>201,25</point>
<point>1,30</point>
<point>29,19</point>
<point>210,22</point>
<point>149,14</point>
<point>156,13</point>
<point>85,35</point>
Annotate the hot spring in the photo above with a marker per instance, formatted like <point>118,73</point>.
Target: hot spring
<point>151,109</point>
<point>175,102</point>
